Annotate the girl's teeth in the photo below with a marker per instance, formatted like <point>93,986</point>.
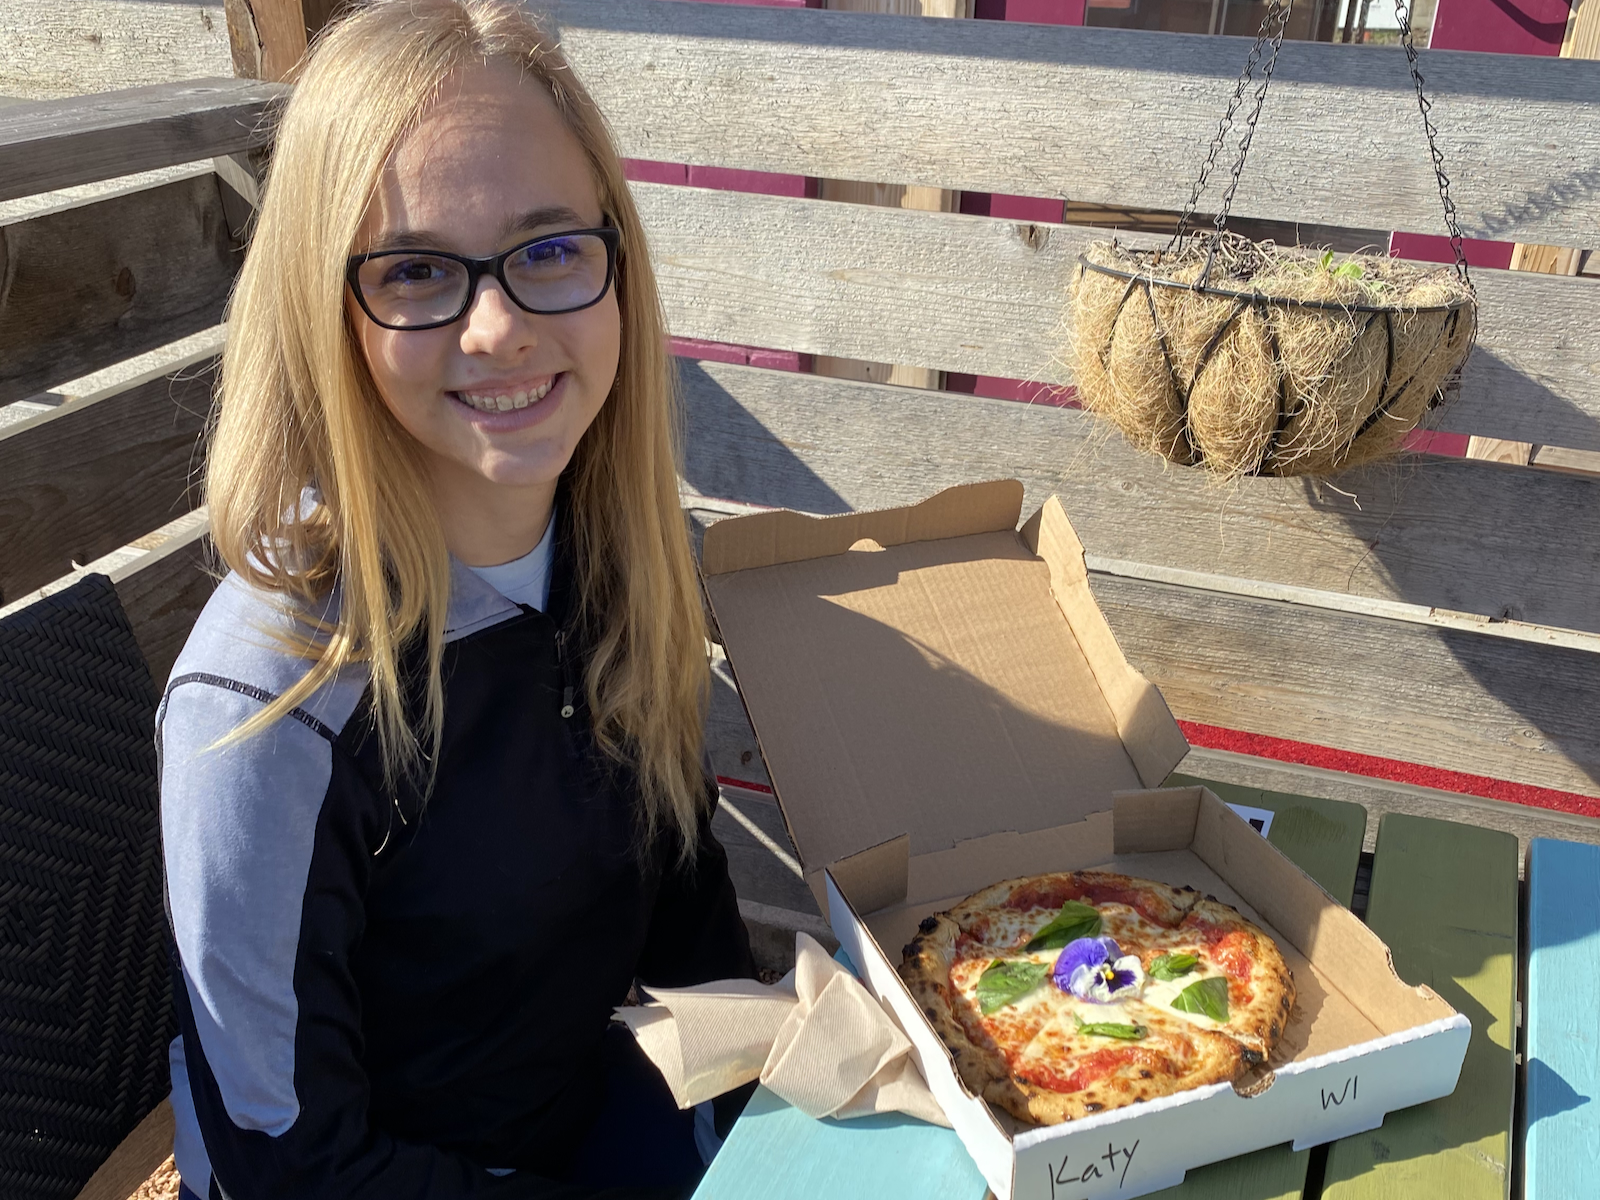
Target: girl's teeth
<point>508,401</point>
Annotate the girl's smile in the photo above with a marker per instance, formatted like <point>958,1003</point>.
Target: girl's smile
<point>507,407</point>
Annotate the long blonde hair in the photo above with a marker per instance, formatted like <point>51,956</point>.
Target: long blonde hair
<point>297,408</point>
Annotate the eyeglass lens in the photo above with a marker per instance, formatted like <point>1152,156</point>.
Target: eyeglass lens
<point>551,275</point>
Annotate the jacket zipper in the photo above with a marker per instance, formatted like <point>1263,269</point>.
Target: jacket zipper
<point>566,677</point>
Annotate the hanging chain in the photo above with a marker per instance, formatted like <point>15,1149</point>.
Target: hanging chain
<point>1402,11</point>
<point>1272,30</point>
<point>1281,12</point>
<point>1277,13</point>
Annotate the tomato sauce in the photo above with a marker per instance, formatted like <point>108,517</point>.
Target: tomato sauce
<point>1045,894</point>
<point>1230,949</point>
<point>1089,1068</point>
<point>1055,893</point>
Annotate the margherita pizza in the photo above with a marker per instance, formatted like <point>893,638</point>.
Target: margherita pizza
<point>1065,995</point>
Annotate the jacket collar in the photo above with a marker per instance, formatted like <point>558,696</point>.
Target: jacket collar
<point>474,602</point>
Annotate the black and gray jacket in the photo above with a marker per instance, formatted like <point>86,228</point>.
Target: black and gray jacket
<point>381,1000</point>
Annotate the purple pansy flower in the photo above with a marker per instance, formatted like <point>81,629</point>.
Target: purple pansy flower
<point>1095,969</point>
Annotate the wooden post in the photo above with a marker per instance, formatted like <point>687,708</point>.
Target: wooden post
<point>1582,40</point>
<point>269,36</point>
<point>1583,31</point>
<point>890,195</point>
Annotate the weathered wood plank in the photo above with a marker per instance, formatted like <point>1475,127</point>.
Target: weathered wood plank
<point>59,143</point>
<point>1468,536</point>
<point>54,50</point>
<point>1444,898</point>
<point>1562,1110</point>
<point>86,287</point>
<point>1106,116</point>
<point>1442,698</point>
<point>93,475</point>
<point>989,297</point>
<point>730,739</point>
<point>163,594</point>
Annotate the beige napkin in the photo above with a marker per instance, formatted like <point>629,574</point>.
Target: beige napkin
<point>816,1038</point>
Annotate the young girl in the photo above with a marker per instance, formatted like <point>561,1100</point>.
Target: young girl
<point>432,785</point>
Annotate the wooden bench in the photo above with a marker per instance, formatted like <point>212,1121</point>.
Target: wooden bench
<point>1435,611</point>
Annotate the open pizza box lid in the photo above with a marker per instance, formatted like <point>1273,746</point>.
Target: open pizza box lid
<point>941,705</point>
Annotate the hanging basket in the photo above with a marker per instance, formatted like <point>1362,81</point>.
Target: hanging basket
<point>1253,359</point>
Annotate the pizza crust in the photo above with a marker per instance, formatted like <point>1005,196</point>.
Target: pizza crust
<point>1209,1056</point>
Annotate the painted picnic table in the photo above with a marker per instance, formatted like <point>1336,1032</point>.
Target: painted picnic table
<point>1444,896</point>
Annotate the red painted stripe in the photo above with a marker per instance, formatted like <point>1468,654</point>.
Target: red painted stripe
<point>748,785</point>
<point>1260,745</point>
<point>754,356</point>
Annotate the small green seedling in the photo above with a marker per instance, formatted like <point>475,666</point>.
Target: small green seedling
<point>1349,269</point>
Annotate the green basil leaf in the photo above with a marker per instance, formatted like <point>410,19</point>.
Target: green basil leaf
<point>1208,997</point>
<point>1128,1033</point>
<point>1075,920</point>
<point>1007,982</point>
<point>1168,967</point>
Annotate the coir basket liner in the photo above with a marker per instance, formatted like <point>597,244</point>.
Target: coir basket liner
<point>1253,359</point>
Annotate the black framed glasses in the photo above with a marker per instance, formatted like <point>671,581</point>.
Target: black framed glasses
<point>426,289</point>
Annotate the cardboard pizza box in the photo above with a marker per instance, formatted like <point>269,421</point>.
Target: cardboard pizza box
<point>941,706</point>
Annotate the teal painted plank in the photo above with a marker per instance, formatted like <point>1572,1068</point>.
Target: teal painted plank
<point>775,1150</point>
<point>1444,899</point>
<point>1563,1015</point>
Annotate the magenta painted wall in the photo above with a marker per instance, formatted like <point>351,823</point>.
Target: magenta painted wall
<point>723,179</point>
<point>1500,26</point>
<point>1429,247</point>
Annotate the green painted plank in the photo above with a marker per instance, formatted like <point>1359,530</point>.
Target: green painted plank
<point>1321,837</point>
<point>1276,1173</point>
<point>1444,898</point>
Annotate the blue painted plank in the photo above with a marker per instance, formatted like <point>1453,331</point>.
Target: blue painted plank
<point>1562,1145</point>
